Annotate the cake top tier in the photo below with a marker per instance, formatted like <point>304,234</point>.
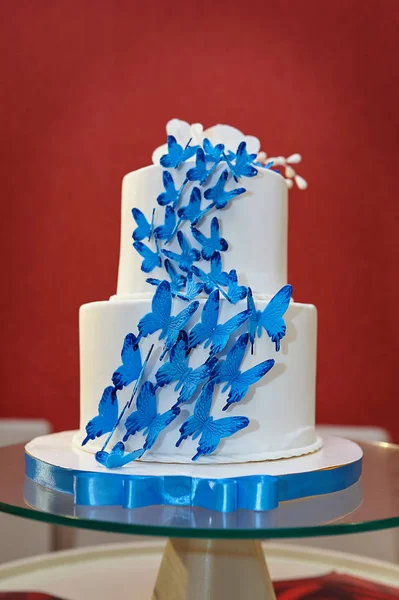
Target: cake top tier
<point>203,185</point>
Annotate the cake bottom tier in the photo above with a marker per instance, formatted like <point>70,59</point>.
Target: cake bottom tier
<point>280,407</point>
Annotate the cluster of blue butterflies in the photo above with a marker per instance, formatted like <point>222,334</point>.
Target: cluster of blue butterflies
<point>187,281</point>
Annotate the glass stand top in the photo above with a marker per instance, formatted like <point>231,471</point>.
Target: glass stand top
<point>371,504</point>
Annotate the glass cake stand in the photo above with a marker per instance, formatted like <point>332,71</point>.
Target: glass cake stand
<point>217,555</point>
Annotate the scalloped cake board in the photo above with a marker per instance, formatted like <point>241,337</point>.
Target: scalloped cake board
<point>56,449</point>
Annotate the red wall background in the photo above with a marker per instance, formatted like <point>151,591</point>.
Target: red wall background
<point>86,90</point>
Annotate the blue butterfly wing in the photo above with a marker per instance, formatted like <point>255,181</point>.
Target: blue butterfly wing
<point>175,152</point>
<point>243,162</point>
<point>215,192</point>
<point>228,369</point>
<point>163,232</point>
<point>214,431</point>
<point>131,363</point>
<point>188,152</point>
<point>159,424</point>
<point>212,153</point>
<point>170,193</point>
<point>208,284</point>
<point>192,212</point>
<point>193,288</point>
<point>216,241</point>
<point>240,385</point>
<point>176,368</point>
<point>198,172</point>
<point>106,418</point>
<point>159,317</point>
<point>209,318</point>
<point>193,380</point>
<point>252,318</point>
<point>271,319</point>
<point>153,281</point>
<point>195,424</point>
<point>189,255</point>
<point>177,281</point>
<point>216,273</point>
<point>118,460</point>
<point>146,411</point>
<point>181,319</point>
<point>151,259</point>
<point>235,292</point>
<point>223,331</point>
<point>143,229</point>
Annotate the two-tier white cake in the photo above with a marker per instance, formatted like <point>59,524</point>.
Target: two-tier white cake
<point>280,406</point>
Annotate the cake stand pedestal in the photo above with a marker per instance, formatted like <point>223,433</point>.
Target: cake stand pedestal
<point>217,555</point>
<point>221,569</point>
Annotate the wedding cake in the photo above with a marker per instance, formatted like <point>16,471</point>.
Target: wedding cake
<point>201,356</point>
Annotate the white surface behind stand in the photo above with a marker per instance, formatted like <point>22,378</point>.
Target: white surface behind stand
<point>130,570</point>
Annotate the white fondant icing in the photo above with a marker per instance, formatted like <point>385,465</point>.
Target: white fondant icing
<point>254,225</point>
<point>281,407</point>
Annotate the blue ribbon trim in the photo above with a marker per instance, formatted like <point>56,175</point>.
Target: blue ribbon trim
<point>251,492</point>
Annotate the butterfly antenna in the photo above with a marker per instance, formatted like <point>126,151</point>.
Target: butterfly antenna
<point>172,235</point>
<point>157,245</point>
<point>222,292</point>
<point>129,402</point>
<point>207,209</point>
<point>179,193</point>
<point>163,353</point>
<point>87,439</point>
<point>209,173</point>
<point>152,224</point>
<point>196,456</point>
<point>231,166</point>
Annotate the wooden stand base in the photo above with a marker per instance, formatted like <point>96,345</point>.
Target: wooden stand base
<point>213,570</point>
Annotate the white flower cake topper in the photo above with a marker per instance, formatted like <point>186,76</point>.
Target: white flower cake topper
<point>230,137</point>
<point>218,134</point>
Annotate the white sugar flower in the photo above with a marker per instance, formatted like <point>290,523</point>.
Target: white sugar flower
<point>289,172</point>
<point>218,134</point>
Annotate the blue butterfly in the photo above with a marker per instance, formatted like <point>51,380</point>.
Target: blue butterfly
<point>163,232</point>
<point>144,228</point>
<point>214,243</point>
<point>177,281</point>
<point>192,211</point>
<point>176,154</point>
<point>219,195</point>
<point>106,418</point>
<point>213,153</point>
<point>193,288</point>
<point>147,418</point>
<point>235,292</point>
<point>117,457</point>
<point>211,431</point>
<point>215,277</point>
<point>200,172</point>
<point>171,194</point>
<point>188,255</point>
<point>243,160</point>
<point>131,363</point>
<point>160,318</point>
<point>209,331</point>
<point>271,318</point>
<point>228,371</point>
<point>177,369</point>
<point>151,259</point>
